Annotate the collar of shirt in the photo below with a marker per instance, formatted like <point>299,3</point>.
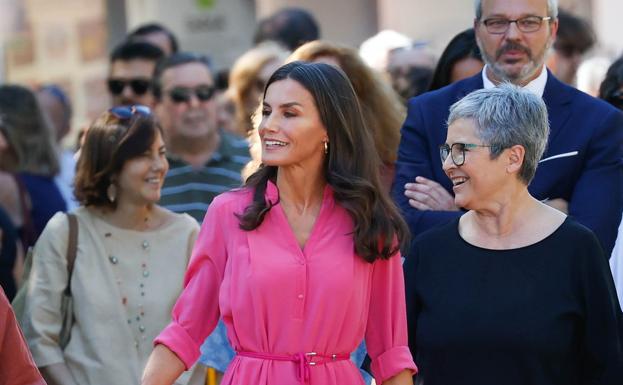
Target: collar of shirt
<point>536,86</point>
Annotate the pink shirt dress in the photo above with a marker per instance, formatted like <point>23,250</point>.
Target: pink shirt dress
<point>291,310</point>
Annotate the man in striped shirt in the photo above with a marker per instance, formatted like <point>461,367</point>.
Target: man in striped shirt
<point>204,161</point>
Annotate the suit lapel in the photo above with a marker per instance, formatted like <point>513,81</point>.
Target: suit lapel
<point>469,85</point>
<point>557,97</point>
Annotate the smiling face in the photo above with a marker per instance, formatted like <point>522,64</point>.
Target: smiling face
<point>291,130</point>
<point>514,56</point>
<point>480,178</point>
<point>141,178</point>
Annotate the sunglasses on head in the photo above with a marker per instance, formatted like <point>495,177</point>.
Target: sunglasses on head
<point>127,112</point>
<point>139,86</point>
<point>183,94</point>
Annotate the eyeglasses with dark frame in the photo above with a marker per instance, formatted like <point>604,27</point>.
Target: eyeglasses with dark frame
<point>456,151</point>
<point>139,86</point>
<point>499,25</point>
<point>183,94</point>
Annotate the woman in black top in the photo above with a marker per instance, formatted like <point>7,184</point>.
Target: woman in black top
<point>513,292</point>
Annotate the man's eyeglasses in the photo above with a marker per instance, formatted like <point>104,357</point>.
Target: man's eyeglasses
<point>499,25</point>
<point>127,112</point>
<point>456,151</point>
<point>139,86</point>
<point>183,94</point>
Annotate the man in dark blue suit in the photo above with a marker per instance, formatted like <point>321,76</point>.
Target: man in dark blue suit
<point>581,172</point>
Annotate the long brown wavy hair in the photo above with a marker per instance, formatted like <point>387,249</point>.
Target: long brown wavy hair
<point>382,108</point>
<point>351,166</point>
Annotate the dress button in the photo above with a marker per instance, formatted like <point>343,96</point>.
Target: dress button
<point>300,296</point>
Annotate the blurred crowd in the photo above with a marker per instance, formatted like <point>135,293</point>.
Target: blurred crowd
<point>179,133</point>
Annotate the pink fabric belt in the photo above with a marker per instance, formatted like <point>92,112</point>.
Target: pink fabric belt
<point>303,360</point>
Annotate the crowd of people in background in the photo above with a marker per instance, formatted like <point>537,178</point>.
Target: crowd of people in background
<point>319,213</point>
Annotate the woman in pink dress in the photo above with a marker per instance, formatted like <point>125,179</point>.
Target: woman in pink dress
<point>303,262</point>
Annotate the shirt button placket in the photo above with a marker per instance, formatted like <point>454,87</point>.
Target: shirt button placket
<point>301,285</point>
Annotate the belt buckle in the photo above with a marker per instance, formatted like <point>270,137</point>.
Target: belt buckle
<point>311,357</point>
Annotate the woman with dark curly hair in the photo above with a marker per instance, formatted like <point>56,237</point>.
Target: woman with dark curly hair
<point>130,261</point>
<point>304,260</point>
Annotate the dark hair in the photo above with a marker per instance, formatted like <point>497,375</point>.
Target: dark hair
<point>351,167</point>
<point>29,134</point>
<point>108,144</point>
<point>462,46</point>
<point>221,80</point>
<point>131,50</point>
<point>574,34</point>
<point>149,28</point>
<point>174,60</point>
<point>609,88</point>
<point>291,27</point>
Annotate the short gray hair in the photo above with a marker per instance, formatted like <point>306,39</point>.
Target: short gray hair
<point>552,8</point>
<point>505,116</point>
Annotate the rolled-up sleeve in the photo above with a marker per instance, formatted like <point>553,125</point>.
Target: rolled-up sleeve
<point>196,311</point>
<point>386,333</point>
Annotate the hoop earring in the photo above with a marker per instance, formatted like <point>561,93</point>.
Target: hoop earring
<point>326,147</point>
<point>111,193</point>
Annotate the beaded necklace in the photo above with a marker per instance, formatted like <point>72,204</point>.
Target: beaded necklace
<point>134,318</point>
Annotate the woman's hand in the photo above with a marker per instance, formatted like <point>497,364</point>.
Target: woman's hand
<point>403,378</point>
<point>163,367</point>
<point>426,194</point>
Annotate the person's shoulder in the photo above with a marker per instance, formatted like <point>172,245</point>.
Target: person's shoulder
<point>580,234</point>
<point>449,93</point>
<point>587,102</point>
<point>578,240</point>
<point>181,221</point>
<point>232,200</point>
<point>580,246</point>
<point>590,101</point>
<point>56,228</point>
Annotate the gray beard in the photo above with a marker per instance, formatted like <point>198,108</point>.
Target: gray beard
<point>527,72</point>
